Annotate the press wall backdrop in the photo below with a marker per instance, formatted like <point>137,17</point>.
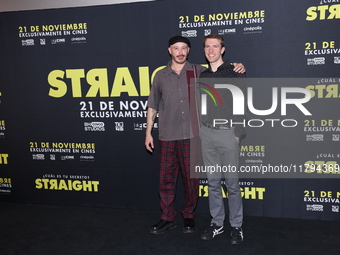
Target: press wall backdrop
<point>73,93</point>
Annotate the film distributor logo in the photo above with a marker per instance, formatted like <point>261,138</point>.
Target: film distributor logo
<point>94,126</point>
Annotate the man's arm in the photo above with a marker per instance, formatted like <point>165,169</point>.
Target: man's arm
<point>150,120</point>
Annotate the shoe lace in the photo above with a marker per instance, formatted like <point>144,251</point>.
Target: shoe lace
<point>214,229</point>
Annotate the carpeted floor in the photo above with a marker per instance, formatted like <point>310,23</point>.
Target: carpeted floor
<point>37,229</point>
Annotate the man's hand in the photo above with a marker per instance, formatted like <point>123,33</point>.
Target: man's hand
<point>150,120</point>
<point>239,68</point>
<point>149,142</point>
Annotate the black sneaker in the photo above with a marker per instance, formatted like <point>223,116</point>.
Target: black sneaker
<point>212,231</point>
<point>236,236</point>
<point>189,226</point>
<point>162,226</point>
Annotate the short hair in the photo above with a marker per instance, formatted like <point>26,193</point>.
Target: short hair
<point>214,36</point>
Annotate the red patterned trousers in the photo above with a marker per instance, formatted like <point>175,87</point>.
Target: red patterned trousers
<point>175,157</point>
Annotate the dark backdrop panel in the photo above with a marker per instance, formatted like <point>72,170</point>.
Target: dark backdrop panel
<point>74,86</point>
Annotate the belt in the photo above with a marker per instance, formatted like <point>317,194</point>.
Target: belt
<point>217,126</point>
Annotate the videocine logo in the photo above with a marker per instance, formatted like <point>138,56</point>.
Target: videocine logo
<point>239,104</point>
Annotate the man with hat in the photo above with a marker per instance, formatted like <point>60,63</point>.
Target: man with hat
<point>169,97</point>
